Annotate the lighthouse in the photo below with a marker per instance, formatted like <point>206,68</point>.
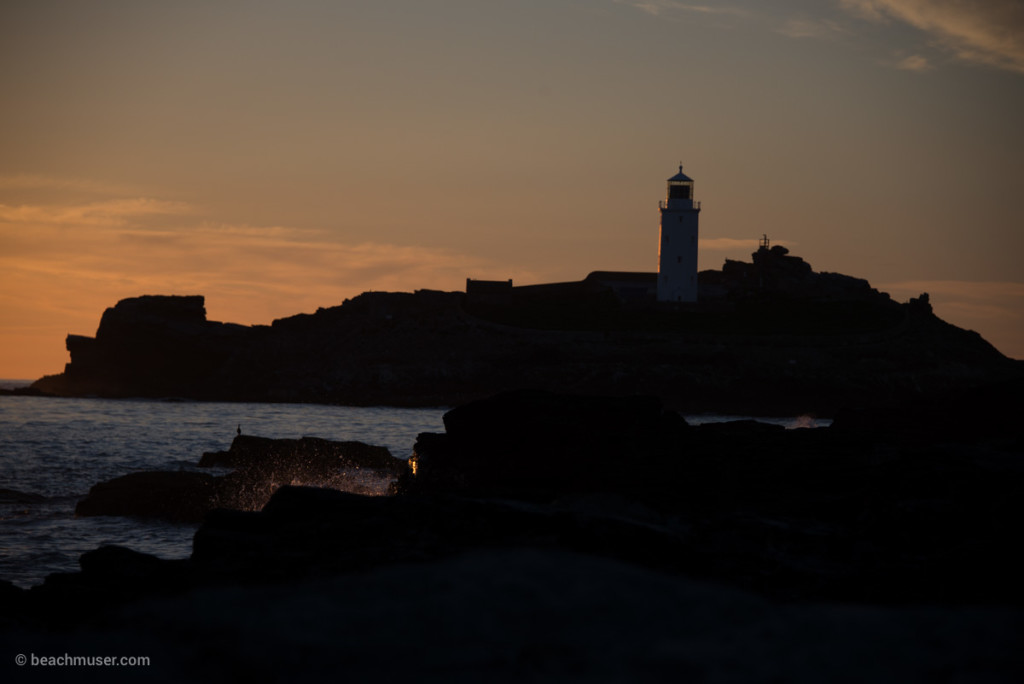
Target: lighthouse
<point>677,256</point>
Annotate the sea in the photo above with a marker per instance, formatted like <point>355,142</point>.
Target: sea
<point>52,450</point>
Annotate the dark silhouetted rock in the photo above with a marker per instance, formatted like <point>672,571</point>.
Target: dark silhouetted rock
<point>126,574</point>
<point>160,346</point>
<point>308,456</point>
<point>177,496</point>
<point>260,465</point>
<point>771,336</point>
<point>542,444</point>
<point>853,513</point>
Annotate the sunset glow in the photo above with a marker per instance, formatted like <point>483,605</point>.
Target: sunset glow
<point>281,157</point>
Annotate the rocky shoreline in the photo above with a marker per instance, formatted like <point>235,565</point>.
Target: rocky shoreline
<point>563,503</point>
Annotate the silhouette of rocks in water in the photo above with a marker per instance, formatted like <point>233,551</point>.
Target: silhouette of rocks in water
<point>260,464</point>
<point>771,336</point>
<point>174,496</point>
<point>850,512</point>
<point>308,456</point>
<point>539,504</point>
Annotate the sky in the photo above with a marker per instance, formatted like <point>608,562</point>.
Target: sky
<point>279,157</point>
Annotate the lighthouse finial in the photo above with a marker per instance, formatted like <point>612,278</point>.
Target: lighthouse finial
<point>680,167</point>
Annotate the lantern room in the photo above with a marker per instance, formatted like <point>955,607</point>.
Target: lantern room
<point>680,186</point>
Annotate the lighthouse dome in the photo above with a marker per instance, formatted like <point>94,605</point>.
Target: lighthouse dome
<point>680,177</point>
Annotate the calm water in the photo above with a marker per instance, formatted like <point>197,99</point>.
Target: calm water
<point>59,448</point>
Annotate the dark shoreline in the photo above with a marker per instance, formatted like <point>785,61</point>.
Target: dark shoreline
<point>540,504</point>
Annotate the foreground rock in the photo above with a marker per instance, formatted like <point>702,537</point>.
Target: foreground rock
<point>173,496</point>
<point>559,536</point>
<point>862,511</point>
<point>510,615</point>
<point>544,444</point>
<point>844,513</point>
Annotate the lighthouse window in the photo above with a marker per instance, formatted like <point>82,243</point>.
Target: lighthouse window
<point>679,192</point>
<point>679,259</point>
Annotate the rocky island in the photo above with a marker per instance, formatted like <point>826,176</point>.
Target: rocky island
<point>770,336</point>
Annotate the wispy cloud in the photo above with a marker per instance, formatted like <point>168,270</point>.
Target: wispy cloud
<point>662,7</point>
<point>113,212</point>
<point>35,181</point>
<point>989,33</point>
<point>810,27</point>
<point>128,247</point>
<point>60,267</point>
<point>914,63</point>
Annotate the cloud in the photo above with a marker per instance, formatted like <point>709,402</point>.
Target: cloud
<point>807,27</point>
<point>914,63</point>
<point>35,181</point>
<point>57,278</point>
<point>114,212</point>
<point>989,33</point>
<point>660,7</point>
<point>56,257</point>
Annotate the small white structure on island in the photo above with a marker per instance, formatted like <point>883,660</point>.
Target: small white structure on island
<point>677,256</point>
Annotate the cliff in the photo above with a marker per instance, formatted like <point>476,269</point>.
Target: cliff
<point>771,336</point>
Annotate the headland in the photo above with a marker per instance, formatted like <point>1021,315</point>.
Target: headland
<point>770,336</point>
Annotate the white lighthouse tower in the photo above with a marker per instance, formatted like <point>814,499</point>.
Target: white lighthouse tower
<point>677,256</point>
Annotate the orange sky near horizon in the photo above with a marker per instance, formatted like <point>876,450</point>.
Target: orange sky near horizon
<point>280,157</point>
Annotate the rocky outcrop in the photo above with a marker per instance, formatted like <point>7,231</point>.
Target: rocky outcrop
<point>770,336</point>
<point>862,511</point>
<point>537,443</point>
<point>259,466</point>
<point>149,346</point>
<point>174,496</point>
<point>775,273</point>
<point>306,457</point>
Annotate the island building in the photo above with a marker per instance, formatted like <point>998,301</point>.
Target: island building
<point>677,255</point>
<point>675,282</point>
